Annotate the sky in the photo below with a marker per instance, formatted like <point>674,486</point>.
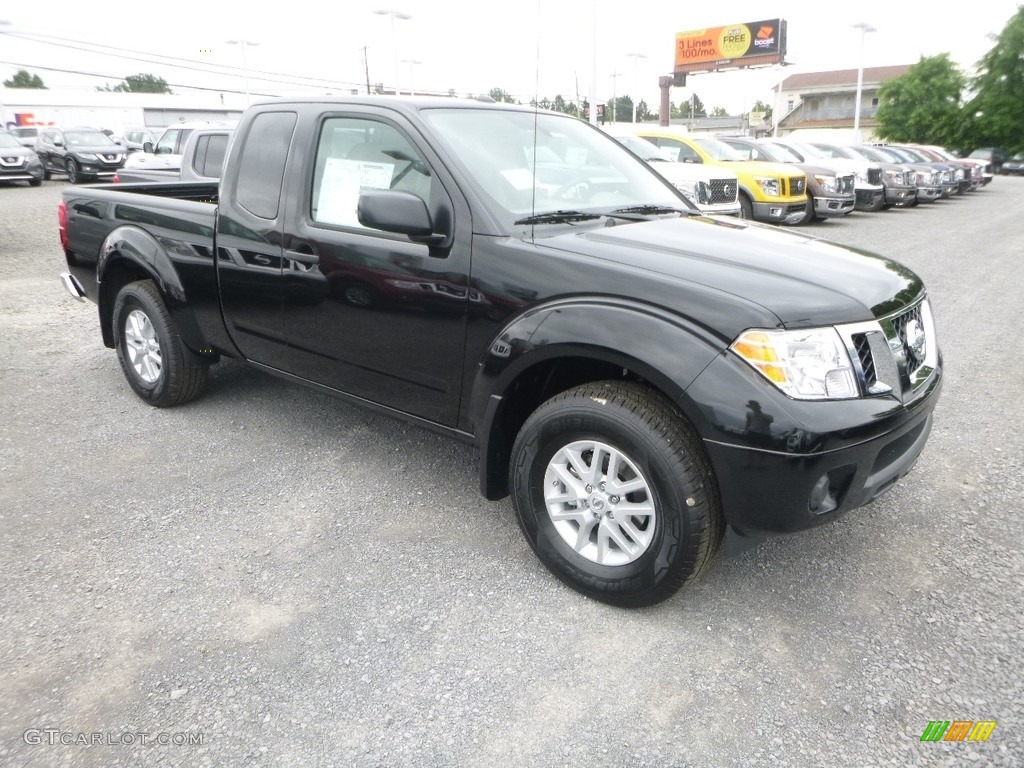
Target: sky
<point>543,47</point>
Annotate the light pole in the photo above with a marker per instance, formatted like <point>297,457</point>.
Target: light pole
<point>864,28</point>
<point>394,37</point>
<point>636,58</point>
<point>615,76</point>
<point>245,65</point>
<point>412,80</point>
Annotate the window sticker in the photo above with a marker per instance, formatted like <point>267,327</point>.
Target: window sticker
<point>342,182</point>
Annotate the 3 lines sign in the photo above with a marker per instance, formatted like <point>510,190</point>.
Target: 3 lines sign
<point>958,730</point>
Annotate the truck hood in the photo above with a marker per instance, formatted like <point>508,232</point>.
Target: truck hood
<point>801,280</point>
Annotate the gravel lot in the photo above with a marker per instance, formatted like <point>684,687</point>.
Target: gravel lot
<point>278,578</point>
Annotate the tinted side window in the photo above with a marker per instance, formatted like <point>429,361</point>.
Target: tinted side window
<point>355,154</point>
<point>209,157</point>
<point>168,142</point>
<point>261,167</point>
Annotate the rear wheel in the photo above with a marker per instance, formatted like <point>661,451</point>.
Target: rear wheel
<point>151,353</point>
<point>614,493</point>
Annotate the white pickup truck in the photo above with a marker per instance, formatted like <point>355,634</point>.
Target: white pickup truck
<point>713,190</point>
<point>201,159</point>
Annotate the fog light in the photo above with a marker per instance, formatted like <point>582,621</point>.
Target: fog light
<point>775,212</point>
<point>821,499</point>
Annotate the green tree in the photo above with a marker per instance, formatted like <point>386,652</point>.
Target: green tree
<point>924,104</point>
<point>500,94</point>
<point>695,107</point>
<point>142,83</point>
<point>760,106</point>
<point>719,112</point>
<point>623,109</point>
<point>23,79</point>
<point>995,112</point>
<point>643,112</point>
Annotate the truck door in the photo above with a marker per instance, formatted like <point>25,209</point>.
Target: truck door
<point>367,312</point>
<point>249,259</point>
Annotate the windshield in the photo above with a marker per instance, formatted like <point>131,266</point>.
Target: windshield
<point>780,153</point>
<point>914,155</point>
<point>869,153</point>
<point>8,141</point>
<point>25,133</point>
<point>644,149</point>
<point>719,150</point>
<point>533,163</point>
<point>87,139</point>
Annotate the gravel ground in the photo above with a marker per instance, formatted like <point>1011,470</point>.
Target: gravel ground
<point>272,577</point>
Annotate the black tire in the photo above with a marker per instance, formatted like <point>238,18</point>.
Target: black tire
<point>72,168</point>
<point>173,379</point>
<point>359,295</point>
<point>746,207</point>
<point>46,171</point>
<point>35,182</point>
<point>659,451</point>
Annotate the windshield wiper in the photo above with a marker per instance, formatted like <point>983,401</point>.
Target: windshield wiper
<point>650,210</point>
<point>559,217</point>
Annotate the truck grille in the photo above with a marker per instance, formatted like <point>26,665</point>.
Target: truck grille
<point>845,184</point>
<point>874,175</point>
<point>722,191</point>
<point>13,162</point>
<point>896,354</point>
<point>797,185</point>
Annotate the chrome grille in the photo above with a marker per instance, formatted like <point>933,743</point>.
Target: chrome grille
<point>723,191</point>
<point>13,162</point>
<point>894,355</point>
<point>874,175</point>
<point>797,185</point>
<point>845,184</point>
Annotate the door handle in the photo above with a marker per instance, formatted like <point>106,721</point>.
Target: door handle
<point>303,257</point>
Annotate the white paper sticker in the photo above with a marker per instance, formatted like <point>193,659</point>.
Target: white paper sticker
<point>342,182</point>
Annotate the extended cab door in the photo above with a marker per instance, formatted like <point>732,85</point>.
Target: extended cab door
<point>249,228</point>
<point>368,312</point>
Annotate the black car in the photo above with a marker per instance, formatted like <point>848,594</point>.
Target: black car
<point>81,153</point>
<point>1014,164</point>
<point>18,163</point>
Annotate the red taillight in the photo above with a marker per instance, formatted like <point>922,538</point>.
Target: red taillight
<point>117,179</point>
<point>62,223</point>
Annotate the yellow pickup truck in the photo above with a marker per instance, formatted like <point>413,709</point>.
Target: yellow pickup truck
<point>771,192</point>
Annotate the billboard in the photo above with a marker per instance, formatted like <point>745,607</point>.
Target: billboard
<point>751,44</point>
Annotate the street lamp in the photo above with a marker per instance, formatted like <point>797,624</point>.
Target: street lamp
<point>614,76</point>
<point>245,65</point>
<point>864,28</point>
<point>412,80</point>
<point>394,37</point>
<point>636,58</point>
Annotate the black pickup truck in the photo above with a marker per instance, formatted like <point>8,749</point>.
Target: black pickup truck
<point>640,378</point>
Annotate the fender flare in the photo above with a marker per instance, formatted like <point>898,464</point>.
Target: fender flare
<point>665,349</point>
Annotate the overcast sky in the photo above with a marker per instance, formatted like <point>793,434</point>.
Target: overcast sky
<point>537,46</point>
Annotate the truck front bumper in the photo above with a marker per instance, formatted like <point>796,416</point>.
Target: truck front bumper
<point>809,461</point>
<point>900,195</point>
<point>825,207</point>
<point>869,198</point>
<point>776,213</point>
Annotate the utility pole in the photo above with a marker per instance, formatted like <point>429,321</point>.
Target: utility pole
<point>614,76</point>
<point>366,67</point>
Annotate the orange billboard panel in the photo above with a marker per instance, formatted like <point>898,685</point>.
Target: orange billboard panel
<point>756,42</point>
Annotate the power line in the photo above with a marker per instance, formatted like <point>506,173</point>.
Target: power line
<point>221,69</point>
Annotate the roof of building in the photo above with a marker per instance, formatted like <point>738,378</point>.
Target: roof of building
<point>842,77</point>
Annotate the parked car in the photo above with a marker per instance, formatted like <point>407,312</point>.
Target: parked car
<point>713,190</point>
<point>167,151</point>
<point>202,160</point>
<point>948,175</point>
<point>81,153</point>
<point>1014,164</point>
<point>899,181</point>
<point>928,176</point>
<point>136,139</point>
<point>26,135</point>
<point>973,169</point>
<point>18,162</point>
<point>770,192</point>
<point>645,378</point>
<point>867,182</point>
<point>829,193</point>
<point>993,156</point>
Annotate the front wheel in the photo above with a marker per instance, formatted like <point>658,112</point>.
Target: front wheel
<point>151,353</point>
<point>615,494</point>
<point>746,208</point>
<point>74,175</point>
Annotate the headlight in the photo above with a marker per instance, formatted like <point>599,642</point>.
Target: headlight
<point>892,175</point>
<point>87,156</point>
<point>690,190</point>
<point>810,364</point>
<point>828,183</point>
<point>769,185</point>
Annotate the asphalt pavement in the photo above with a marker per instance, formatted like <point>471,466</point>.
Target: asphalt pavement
<point>272,577</point>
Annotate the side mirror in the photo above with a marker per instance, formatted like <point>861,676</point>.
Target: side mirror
<point>147,147</point>
<point>117,141</point>
<point>401,212</point>
<point>58,142</point>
